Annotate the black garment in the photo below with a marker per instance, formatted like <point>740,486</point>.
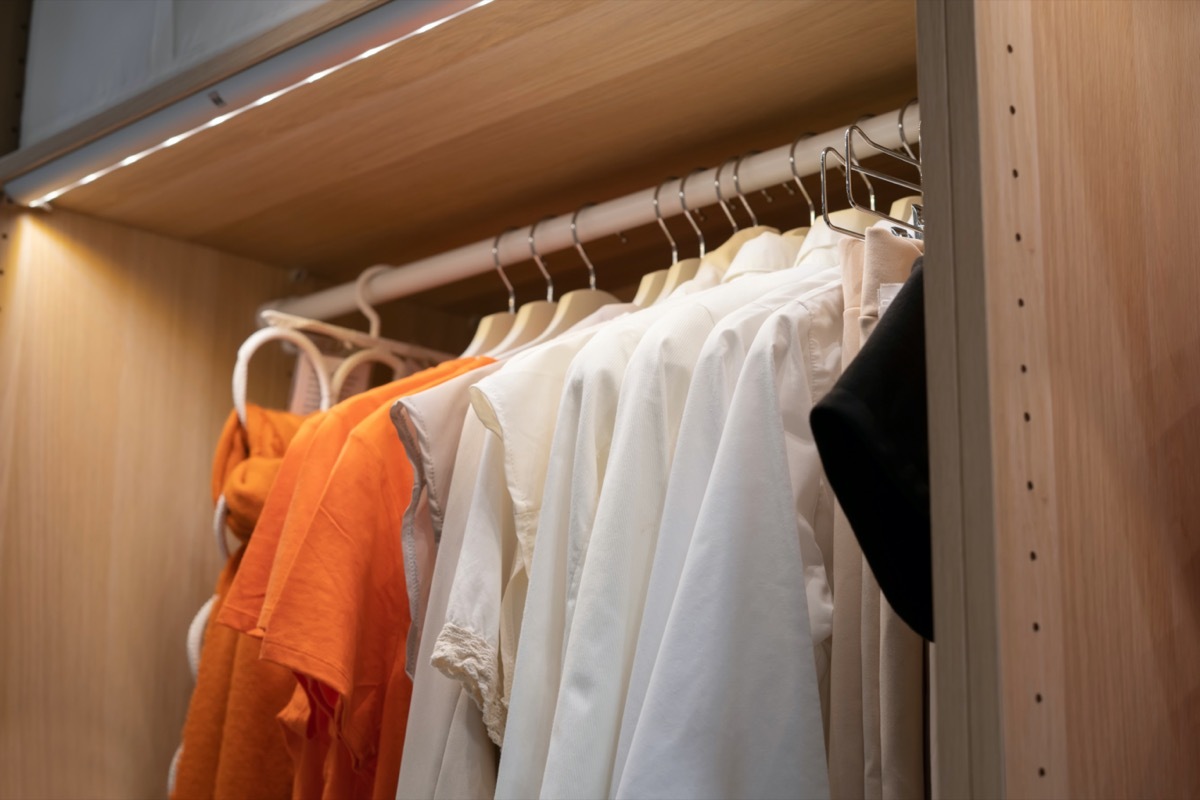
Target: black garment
<point>872,435</point>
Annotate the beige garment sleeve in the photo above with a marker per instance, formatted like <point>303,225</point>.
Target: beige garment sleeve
<point>893,656</point>
<point>845,721</point>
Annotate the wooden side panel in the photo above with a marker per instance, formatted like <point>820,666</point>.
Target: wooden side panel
<point>1090,168</point>
<point>116,349</point>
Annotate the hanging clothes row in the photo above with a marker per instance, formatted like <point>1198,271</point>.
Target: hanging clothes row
<point>598,557</point>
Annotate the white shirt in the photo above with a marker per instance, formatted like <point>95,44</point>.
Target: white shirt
<point>711,391</point>
<point>733,706</point>
<point>477,642</point>
<point>620,546</point>
<point>447,753</point>
<point>578,454</point>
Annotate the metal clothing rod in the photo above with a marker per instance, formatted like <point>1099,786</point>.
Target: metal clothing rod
<point>760,171</point>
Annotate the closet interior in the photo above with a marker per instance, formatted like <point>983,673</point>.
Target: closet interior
<point>402,179</point>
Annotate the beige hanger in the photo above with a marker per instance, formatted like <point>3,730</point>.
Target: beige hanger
<point>533,317</point>
<point>722,257</point>
<point>683,271</point>
<point>573,306</point>
<point>651,287</point>
<point>903,208</point>
<point>494,327</point>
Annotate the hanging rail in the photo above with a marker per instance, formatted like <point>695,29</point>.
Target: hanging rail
<point>760,171</point>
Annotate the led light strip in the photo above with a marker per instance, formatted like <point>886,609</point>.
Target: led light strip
<point>50,196</point>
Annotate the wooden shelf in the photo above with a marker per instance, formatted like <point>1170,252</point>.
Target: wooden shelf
<point>516,110</point>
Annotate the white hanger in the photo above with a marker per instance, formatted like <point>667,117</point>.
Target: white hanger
<point>378,354</point>
<point>241,370</point>
<point>494,327</point>
<point>574,306</point>
<point>361,340</point>
<point>256,340</point>
<point>533,317</point>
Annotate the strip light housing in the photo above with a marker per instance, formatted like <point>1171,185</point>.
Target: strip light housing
<point>31,189</point>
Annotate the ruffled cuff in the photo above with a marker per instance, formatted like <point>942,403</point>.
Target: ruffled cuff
<point>468,658</point>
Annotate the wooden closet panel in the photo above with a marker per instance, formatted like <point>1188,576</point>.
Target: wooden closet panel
<point>1089,183</point>
<point>116,350</point>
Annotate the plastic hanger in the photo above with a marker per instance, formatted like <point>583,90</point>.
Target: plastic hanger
<point>574,306</point>
<point>651,286</point>
<point>269,334</point>
<point>378,355</point>
<point>494,327</point>
<point>241,369</point>
<point>682,271</point>
<point>533,317</point>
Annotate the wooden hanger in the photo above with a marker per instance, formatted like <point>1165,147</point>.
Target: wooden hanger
<point>534,317</point>
<point>494,327</point>
<point>574,306</point>
<point>722,257</point>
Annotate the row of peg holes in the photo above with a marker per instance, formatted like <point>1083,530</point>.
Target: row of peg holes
<point>1037,697</point>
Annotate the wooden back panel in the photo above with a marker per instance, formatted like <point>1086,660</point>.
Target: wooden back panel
<point>116,349</point>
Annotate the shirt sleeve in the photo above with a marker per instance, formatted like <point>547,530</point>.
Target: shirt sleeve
<point>468,645</point>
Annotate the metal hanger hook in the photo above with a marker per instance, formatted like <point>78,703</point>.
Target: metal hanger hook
<point>662,223</point>
<point>812,209</point>
<point>512,295</point>
<point>721,197</point>
<point>579,247</point>
<point>537,259</point>
<point>737,187</point>
<point>688,213</point>
<point>903,135</point>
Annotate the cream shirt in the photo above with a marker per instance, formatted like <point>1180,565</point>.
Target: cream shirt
<point>733,707</point>
<point>620,546</point>
<point>477,642</point>
<point>447,753</point>
<point>429,424</point>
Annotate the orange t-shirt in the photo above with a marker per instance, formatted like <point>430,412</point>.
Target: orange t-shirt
<point>231,742</point>
<point>302,476</point>
<point>341,617</point>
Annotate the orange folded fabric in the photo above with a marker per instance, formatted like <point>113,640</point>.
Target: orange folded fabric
<point>232,745</point>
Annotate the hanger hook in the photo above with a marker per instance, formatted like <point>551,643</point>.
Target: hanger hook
<point>662,223</point>
<point>851,165</point>
<point>537,259</point>
<point>687,212</point>
<point>812,210</point>
<point>721,197</point>
<point>360,297</point>
<point>904,136</point>
<point>579,247</point>
<point>512,295</point>
<point>737,186</point>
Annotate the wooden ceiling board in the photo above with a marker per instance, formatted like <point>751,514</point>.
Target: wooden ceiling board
<point>517,110</point>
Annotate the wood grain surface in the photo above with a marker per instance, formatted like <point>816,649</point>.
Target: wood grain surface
<point>116,350</point>
<point>516,110</point>
<point>1094,367</point>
